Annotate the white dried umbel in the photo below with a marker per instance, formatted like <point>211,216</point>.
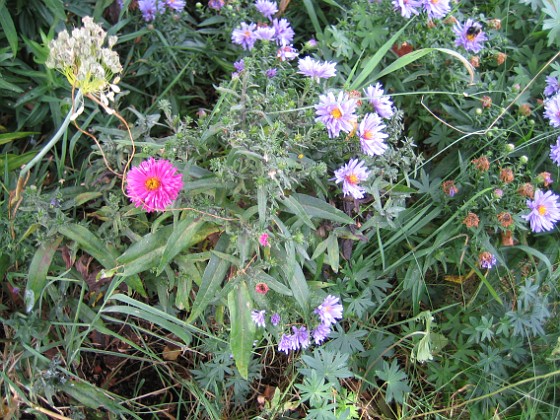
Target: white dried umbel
<point>84,61</point>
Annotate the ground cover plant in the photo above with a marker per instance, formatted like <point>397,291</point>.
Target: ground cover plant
<point>324,209</point>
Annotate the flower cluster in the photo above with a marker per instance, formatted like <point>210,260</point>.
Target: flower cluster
<point>435,9</point>
<point>280,31</point>
<point>316,69</point>
<point>338,113</point>
<point>151,8</point>
<point>328,312</point>
<point>84,61</point>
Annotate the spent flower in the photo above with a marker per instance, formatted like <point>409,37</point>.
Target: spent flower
<point>486,260</point>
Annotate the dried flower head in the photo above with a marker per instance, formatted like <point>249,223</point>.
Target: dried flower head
<point>84,61</point>
<point>403,48</point>
<point>505,219</point>
<point>486,101</point>
<point>506,175</point>
<point>475,61</point>
<point>486,260</point>
<point>261,288</point>
<point>449,188</point>
<point>545,178</point>
<point>481,164</point>
<point>500,58</point>
<point>526,190</point>
<point>471,220</point>
<point>525,110</point>
<point>507,238</point>
<point>495,24</point>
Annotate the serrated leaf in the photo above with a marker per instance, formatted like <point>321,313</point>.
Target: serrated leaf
<point>38,269</point>
<point>395,380</point>
<point>242,327</point>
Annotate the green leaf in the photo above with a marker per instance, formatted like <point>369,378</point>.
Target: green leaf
<point>57,8</point>
<point>146,253</point>
<point>211,279</point>
<point>296,208</point>
<point>396,381</point>
<point>14,162</point>
<point>8,137</point>
<point>242,327</point>
<point>261,202</point>
<point>90,243</point>
<point>292,273</point>
<point>181,237</point>
<point>149,313</point>
<point>333,252</point>
<point>9,28</point>
<point>38,269</point>
<point>315,207</point>
<point>90,396</point>
<point>374,61</point>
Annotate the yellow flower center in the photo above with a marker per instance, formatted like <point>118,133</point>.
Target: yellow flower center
<point>542,210</point>
<point>435,1</point>
<point>368,135</point>
<point>352,179</point>
<point>336,113</point>
<point>471,37</point>
<point>152,183</point>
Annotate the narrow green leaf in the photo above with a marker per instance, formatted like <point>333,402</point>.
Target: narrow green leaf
<point>90,243</point>
<point>57,8</point>
<point>8,137</point>
<point>90,396</point>
<point>333,252</point>
<point>38,269</point>
<point>374,61</point>
<point>315,207</point>
<point>242,327</point>
<point>181,237</point>
<point>296,208</point>
<point>261,202</point>
<point>146,253</point>
<point>293,275</point>
<point>273,283</point>
<point>14,162</point>
<point>9,28</point>
<point>211,280</point>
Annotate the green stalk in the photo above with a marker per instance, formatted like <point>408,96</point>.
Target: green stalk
<point>52,141</point>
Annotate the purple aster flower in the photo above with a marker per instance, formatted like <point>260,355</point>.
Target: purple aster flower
<point>552,110</point>
<point>371,135</point>
<point>270,73</point>
<point>275,319</point>
<point>552,86</point>
<point>382,104</point>
<point>258,318</point>
<point>239,65</point>
<point>301,335</point>
<point>265,33</point>
<point>486,260</point>
<point>436,8</point>
<point>266,8</point>
<point>330,310</point>
<point>288,342</point>
<point>545,211</point>
<point>351,175</point>
<point>316,69</point>
<point>470,36</point>
<point>407,7</point>
<point>284,33</point>
<point>336,113</point>
<point>244,36</point>
<point>176,5</point>
<point>286,52</point>
<point>216,4</point>
<point>555,152</point>
<point>150,8</point>
<point>312,43</point>
<point>320,333</point>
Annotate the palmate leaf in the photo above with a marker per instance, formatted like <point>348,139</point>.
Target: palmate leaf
<point>329,365</point>
<point>552,9</point>
<point>395,380</point>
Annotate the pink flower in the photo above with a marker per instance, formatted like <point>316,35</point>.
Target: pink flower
<point>263,239</point>
<point>372,137</point>
<point>153,184</point>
